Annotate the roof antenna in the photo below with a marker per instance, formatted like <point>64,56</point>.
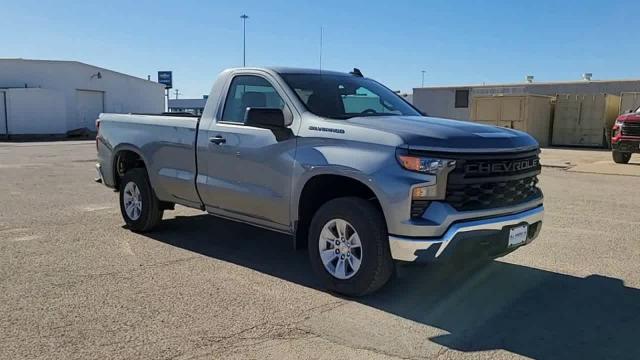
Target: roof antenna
<point>356,72</point>
<point>320,50</point>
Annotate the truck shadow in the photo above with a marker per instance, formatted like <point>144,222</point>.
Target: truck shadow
<point>523,310</point>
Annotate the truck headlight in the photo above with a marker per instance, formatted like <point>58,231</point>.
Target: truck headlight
<point>425,165</point>
<point>617,129</point>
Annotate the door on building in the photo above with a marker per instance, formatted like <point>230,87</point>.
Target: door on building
<point>3,115</point>
<point>89,106</point>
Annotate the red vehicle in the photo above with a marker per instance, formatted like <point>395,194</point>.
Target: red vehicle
<point>625,138</point>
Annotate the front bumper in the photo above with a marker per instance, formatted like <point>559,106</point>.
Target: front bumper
<point>488,233</point>
<point>627,145</point>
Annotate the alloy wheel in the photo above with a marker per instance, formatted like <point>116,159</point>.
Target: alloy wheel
<point>340,249</point>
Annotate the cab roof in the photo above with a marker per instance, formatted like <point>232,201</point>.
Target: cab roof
<point>292,70</point>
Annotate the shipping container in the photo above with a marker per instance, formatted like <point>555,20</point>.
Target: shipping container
<point>584,120</point>
<point>629,101</point>
<point>530,113</point>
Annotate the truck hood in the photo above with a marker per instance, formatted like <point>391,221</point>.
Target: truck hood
<point>629,117</point>
<point>436,134</point>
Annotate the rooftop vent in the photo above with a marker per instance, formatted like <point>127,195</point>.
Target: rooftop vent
<point>587,76</point>
<point>529,78</point>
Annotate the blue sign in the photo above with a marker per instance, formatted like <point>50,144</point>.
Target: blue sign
<point>166,78</point>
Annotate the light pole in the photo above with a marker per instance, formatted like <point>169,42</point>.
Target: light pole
<point>423,71</point>
<point>244,18</point>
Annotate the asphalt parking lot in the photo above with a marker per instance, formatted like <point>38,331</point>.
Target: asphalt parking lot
<point>74,284</point>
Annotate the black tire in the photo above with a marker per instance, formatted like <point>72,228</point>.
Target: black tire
<point>621,157</point>
<point>151,213</point>
<point>376,267</point>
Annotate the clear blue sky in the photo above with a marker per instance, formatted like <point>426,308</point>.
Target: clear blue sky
<point>392,41</point>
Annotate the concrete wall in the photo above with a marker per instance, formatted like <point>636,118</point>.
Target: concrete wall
<point>122,93</point>
<point>439,101</point>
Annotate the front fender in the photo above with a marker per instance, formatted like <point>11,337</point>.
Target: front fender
<point>338,170</point>
<point>373,165</point>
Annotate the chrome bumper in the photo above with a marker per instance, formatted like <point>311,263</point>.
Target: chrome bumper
<point>405,248</point>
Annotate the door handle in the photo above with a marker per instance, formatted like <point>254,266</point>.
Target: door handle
<point>218,140</point>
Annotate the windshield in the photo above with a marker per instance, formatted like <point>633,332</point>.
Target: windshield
<point>638,110</point>
<point>344,96</point>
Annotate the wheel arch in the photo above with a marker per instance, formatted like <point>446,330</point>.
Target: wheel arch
<point>132,158</point>
<point>316,189</point>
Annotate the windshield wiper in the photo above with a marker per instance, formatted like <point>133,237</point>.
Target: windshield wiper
<point>378,114</point>
<point>345,117</point>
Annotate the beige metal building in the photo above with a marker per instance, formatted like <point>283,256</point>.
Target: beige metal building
<point>584,120</point>
<point>530,113</point>
<point>629,101</point>
<point>454,101</point>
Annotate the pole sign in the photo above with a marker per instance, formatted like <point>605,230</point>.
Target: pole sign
<point>166,78</point>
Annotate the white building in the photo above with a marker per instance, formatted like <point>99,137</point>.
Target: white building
<point>194,106</point>
<point>453,102</point>
<point>43,97</point>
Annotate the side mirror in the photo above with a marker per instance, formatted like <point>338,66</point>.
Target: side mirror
<point>269,118</point>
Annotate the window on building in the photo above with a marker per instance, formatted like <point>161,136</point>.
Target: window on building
<point>249,91</point>
<point>462,99</point>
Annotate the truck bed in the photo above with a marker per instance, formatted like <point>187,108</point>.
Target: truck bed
<point>166,143</point>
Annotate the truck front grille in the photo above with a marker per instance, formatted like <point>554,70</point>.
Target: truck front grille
<point>631,129</point>
<point>487,181</point>
<point>488,195</point>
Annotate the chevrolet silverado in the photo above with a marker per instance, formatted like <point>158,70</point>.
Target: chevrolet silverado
<point>348,168</point>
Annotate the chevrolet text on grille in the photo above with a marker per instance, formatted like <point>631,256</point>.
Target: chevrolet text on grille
<point>501,167</point>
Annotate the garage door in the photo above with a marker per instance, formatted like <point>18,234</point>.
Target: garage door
<point>3,115</point>
<point>89,106</point>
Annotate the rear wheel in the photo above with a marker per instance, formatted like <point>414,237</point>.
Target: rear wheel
<point>139,205</point>
<point>349,246</point>
<point>621,157</point>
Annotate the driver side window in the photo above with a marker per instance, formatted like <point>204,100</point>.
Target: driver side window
<point>249,91</point>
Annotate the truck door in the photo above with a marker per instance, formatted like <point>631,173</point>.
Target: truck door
<point>248,171</point>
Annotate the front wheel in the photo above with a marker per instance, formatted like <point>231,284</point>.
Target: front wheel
<point>139,205</point>
<point>349,246</point>
<point>621,157</point>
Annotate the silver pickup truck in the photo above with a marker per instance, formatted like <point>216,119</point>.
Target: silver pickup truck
<point>341,163</point>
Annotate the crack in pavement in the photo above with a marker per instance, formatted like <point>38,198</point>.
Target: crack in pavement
<point>368,348</point>
<point>265,331</point>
